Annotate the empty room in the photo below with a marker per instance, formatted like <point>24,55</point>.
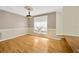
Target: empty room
<point>39,29</point>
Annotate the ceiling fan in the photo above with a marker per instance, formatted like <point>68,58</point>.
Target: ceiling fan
<point>28,8</point>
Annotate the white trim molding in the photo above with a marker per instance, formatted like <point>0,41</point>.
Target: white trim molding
<point>6,34</point>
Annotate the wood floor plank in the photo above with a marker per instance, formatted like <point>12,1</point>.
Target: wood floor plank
<point>34,44</point>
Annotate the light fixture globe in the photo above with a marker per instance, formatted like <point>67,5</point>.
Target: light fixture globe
<point>28,8</point>
<point>28,17</point>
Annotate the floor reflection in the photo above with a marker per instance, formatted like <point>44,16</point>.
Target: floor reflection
<point>40,45</point>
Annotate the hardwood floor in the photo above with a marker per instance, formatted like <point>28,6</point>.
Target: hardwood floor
<point>73,41</point>
<point>34,44</point>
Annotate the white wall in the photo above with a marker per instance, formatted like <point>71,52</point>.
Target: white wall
<point>59,23</point>
<point>71,20</point>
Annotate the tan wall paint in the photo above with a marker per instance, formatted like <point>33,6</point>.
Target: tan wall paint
<point>51,25</point>
<point>10,20</point>
<point>59,23</point>
<point>71,26</point>
<point>71,20</point>
<point>12,25</point>
<point>52,20</point>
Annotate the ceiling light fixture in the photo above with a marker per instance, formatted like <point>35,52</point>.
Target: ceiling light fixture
<point>28,8</point>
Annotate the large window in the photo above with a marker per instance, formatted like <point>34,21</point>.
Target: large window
<point>40,24</point>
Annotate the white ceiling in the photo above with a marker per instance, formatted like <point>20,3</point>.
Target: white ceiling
<point>36,9</point>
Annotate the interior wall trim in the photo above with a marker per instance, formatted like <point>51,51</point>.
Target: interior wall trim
<point>7,34</point>
<point>75,35</point>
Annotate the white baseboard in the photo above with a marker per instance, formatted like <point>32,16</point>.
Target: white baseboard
<point>7,34</point>
<point>11,37</point>
<point>76,35</point>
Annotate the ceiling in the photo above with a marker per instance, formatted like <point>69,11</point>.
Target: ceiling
<point>36,9</point>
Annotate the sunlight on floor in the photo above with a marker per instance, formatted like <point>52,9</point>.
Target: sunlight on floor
<point>41,44</point>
